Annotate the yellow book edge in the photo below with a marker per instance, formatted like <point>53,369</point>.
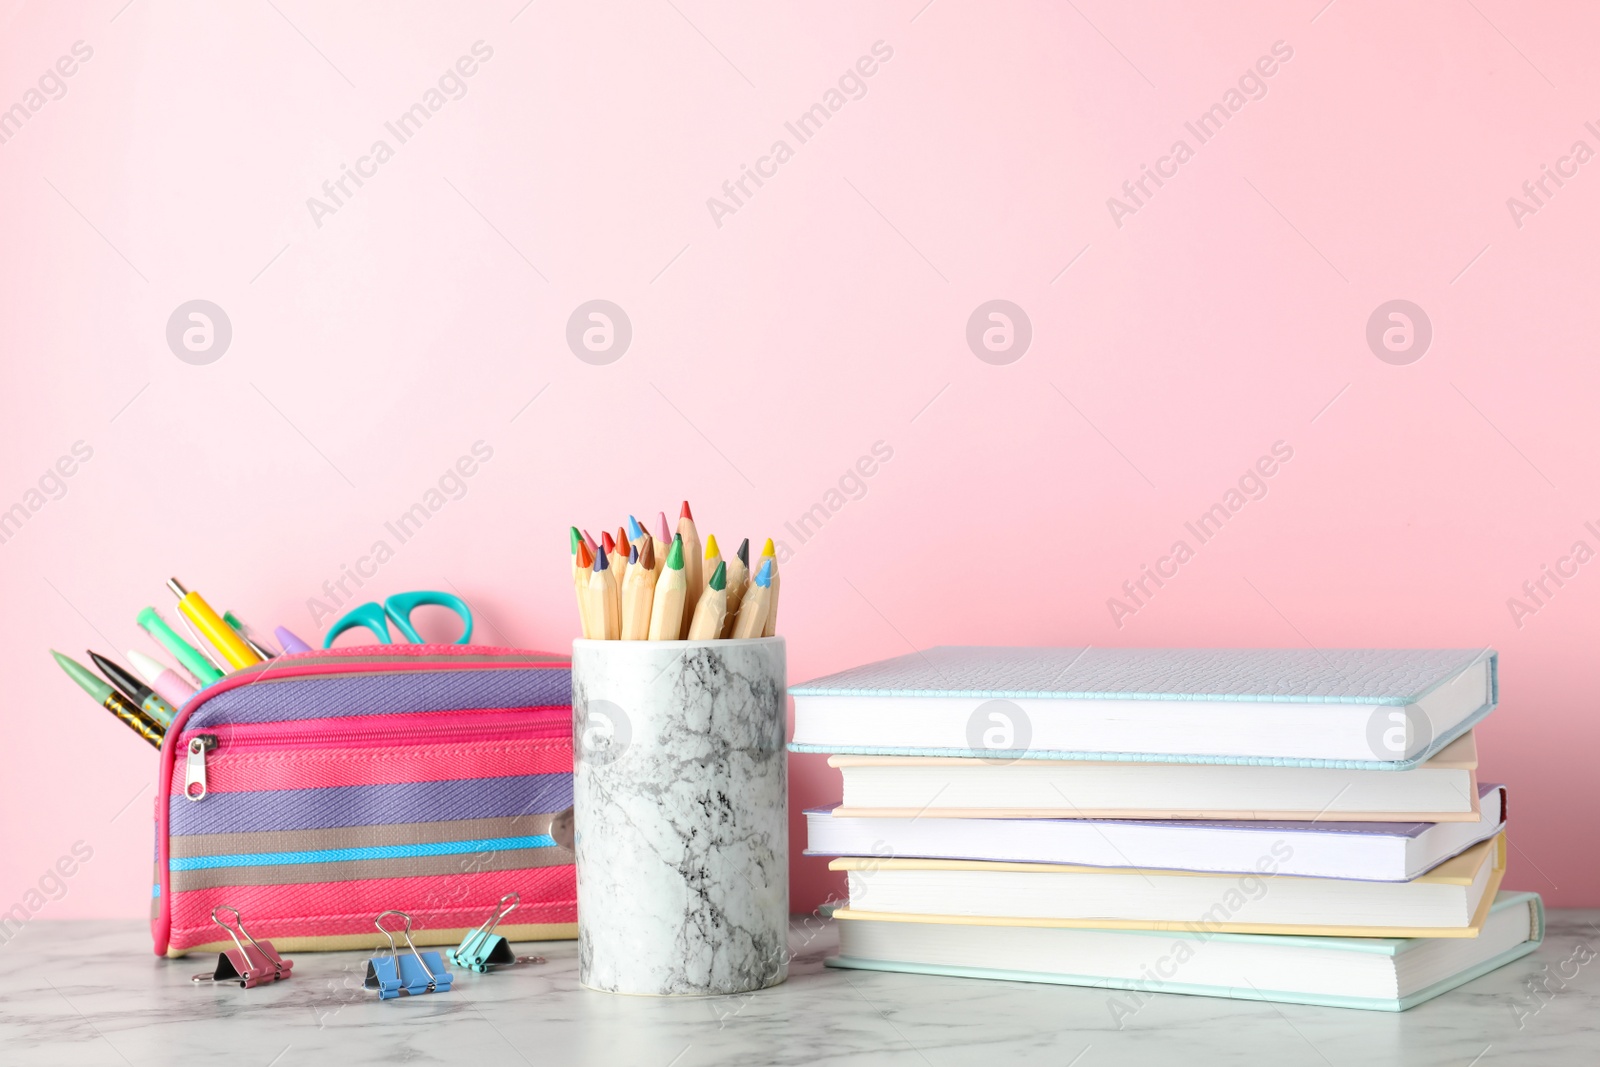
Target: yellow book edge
<point>1196,927</point>
<point>370,942</point>
<point>1457,870</point>
<point>1462,754</point>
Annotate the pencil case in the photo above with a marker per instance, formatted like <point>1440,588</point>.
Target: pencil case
<point>313,791</point>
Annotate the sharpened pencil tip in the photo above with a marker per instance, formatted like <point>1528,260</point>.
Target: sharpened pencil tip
<point>744,553</point>
<point>719,580</point>
<point>764,575</point>
<point>600,561</point>
<point>712,551</point>
<point>574,538</point>
<point>675,553</point>
<point>767,549</point>
<point>685,513</point>
<point>635,531</point>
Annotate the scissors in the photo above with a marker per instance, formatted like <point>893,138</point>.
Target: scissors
<point>397,609</point>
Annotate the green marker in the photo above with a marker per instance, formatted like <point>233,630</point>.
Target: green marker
<point>110,699</point>
<point>153,624</point>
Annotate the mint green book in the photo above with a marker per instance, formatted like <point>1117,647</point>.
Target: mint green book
<point>1373,973</point>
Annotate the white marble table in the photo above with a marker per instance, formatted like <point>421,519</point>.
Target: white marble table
<point>91,993</point>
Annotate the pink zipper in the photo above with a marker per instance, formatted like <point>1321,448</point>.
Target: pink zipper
<point>323,753</point>
<point>381,731</point>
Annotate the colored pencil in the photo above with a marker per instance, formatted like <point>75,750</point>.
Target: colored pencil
<point>666,610</point>
<point>580,585</point>
<point>712,610</point>
<point>620,561</point>
<point>713,556</point>
<point>638,590</point>
<point>605,600</point>
<point>692,562</point>
<point>663,536</point>
<point>738,582</point>
<point>769,554</point>
<point>757,603</point>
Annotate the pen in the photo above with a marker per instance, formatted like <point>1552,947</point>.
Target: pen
<point>210,624</point>
<point>153,624</point>
<point>110,699</point>
<point>244,632</point>
<point>163,679</point>
<point>135,690</point>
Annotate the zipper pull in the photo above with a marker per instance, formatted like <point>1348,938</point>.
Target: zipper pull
<point>194,768</point>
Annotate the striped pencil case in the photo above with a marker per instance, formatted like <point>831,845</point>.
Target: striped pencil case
<point>313,791</point>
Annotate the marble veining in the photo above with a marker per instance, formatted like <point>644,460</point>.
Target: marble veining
<point>680,797</point>
<point>76,993</point>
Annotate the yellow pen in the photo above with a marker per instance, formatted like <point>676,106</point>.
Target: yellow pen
<point>223,637</point>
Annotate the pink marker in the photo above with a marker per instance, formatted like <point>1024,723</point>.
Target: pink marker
<point>163,679</point>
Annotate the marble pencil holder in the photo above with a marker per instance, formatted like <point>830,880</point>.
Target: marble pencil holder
<point>680,796</point>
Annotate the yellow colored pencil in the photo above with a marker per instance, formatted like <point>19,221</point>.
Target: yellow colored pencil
<point>712,557</point>
<point>768,553</point>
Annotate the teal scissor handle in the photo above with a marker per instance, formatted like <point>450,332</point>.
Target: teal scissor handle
<point>397,609</point>
<point>400,606</point>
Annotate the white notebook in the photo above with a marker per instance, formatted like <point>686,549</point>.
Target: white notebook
<point>1444,789</point>
<point>1374,851</point>
<point>1372,708</point>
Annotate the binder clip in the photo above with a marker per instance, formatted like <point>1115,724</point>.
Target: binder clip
<point>413,975</point>
<point>483,949</point>
<point>253,966</point>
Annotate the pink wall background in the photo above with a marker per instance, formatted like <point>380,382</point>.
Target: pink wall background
<point>825,314</point>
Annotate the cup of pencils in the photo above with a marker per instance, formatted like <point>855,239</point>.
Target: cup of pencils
<point>680,790</point>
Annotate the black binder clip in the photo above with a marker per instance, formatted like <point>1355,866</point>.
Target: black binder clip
<point>483,949</point>
<point>395,975</point>
<point>256,965</point>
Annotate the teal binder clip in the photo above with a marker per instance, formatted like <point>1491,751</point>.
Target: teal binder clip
<point>483,949</point>
<point>396,975</point>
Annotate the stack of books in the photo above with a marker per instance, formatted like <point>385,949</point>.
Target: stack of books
<point>1268,824</point>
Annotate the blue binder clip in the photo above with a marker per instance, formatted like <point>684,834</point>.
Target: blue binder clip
<point>395,975</point>
<point>482,948</point>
